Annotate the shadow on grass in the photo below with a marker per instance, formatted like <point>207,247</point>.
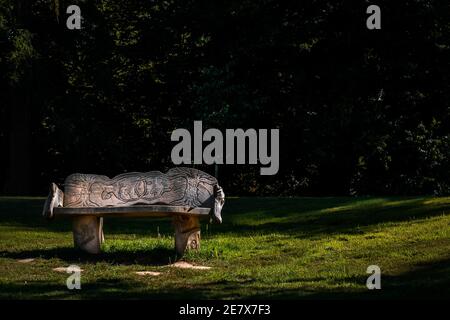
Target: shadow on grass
<point>151,257</point>
<point>308,217</point>
<point>33,290</point>
<point>293,216</point>
<point>424,281</point>
<point>101,289</point>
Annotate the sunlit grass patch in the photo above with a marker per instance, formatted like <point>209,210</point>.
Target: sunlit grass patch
<point>266,248</point>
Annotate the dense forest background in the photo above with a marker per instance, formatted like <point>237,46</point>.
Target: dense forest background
<point>360,112</point>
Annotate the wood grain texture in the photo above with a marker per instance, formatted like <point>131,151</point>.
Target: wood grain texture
<point>134,211</point>
<point>187,234</point>
<point>179,186</point>
<point>88,233</point>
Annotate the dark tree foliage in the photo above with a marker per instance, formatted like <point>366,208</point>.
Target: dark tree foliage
<point>359,111</point>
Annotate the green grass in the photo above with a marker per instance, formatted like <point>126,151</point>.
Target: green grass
<point>267,248</point>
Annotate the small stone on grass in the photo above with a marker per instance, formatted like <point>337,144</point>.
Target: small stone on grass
<point>63,269</point>
<point>148,273</point>
<point>187,265</point>
<point>26,260</point>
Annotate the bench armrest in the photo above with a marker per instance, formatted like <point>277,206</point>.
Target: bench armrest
<point>219,201</point>
<point>55,199</point>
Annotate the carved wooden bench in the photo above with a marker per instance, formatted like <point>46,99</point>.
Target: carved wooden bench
<point>185,194</point>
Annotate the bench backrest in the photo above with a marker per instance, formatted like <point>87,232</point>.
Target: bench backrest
<point>178,186</point>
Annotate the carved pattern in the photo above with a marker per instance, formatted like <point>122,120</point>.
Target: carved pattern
<point>179,186</point>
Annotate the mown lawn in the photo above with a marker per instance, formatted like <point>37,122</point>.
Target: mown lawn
<point>267,248</point>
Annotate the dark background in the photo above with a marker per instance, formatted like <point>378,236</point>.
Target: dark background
<point>360,112</point>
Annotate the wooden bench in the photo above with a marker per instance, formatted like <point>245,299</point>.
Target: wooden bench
<point>185,194</point>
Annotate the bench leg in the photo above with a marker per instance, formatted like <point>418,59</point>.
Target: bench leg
<point>187,234</point>
<point>88,233</point>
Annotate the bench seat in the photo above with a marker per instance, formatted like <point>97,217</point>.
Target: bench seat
<point>132,211</point>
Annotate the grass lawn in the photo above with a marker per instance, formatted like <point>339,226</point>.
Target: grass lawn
<point>266,248</point>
